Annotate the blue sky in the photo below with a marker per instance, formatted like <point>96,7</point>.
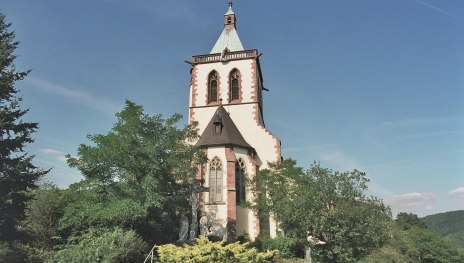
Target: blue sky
<point>372,85</point>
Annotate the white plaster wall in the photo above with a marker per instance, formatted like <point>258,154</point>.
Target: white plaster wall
<point>217,218</point>
<point>242,224</point>
<point>246,218</point>
<point>241,114</point>
<point>254,134</point>
<point>244,118</point>
<point>223,69</point>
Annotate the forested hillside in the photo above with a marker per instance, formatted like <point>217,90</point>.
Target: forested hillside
<point>449,225</point>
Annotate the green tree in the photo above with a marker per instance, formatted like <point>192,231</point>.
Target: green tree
<point>407,221</point>
<point>18,175</point>
<point>414,243</point>
<point>342,223</point>
<point>104,246</point>
<point>137,176</point>
<point>425,246</point>
<point>43,214</point>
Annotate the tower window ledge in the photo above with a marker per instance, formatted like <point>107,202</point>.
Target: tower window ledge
<point>216,203</point>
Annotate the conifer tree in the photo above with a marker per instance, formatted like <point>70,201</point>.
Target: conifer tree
<point>17,173</point>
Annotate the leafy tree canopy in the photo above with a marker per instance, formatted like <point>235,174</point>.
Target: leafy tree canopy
<point>407,221</point>
<point>136,176</point>
<point>42,215</point>
<point>342,223</point>
<point>103,245</point>
<point>17,172</point>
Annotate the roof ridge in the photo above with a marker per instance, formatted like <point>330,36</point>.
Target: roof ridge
<point>221,130</point>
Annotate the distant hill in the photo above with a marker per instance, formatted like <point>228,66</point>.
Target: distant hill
<point>449,225</point>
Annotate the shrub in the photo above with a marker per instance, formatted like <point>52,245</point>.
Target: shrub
<point>386,254</point>
<point>207,251</point>
<point>288,247</point>
<point>116,246</point>
<point>12,252</point>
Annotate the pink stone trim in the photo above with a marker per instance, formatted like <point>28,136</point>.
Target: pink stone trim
<point>229,90</point>
<point>194,84</point>
<point>218,89</point>
<point>231,201</point>
<point>254,172</point>
<point>201,174</point>
<point>257,113</point>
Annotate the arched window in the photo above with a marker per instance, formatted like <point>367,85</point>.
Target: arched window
<point>234,82</point>
<point>215,180</point>
<point>212,87</point>
<point>240,172</point>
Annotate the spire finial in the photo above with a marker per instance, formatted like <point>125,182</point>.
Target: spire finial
<point>230,12</point>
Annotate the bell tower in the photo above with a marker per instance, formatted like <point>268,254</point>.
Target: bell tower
<point>229,18</point>
<point>226,101</point>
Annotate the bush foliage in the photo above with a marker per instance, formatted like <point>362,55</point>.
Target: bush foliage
<point>288,247</point>
<point>109,246</point>
<point>207,251</point>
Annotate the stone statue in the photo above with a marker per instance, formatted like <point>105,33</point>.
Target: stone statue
<point>184,225</point>
<point>204,227</point>
<point>194,224</point>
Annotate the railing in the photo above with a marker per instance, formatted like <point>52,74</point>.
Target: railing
<point>226,56</point>
<point>151,256</point>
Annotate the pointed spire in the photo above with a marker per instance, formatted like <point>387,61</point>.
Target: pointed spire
<point>230,11</point>
<point>229,38</point>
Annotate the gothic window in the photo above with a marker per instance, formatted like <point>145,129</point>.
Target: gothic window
<point>215,180</point>
<point>234,85</point>
<point>213,87</point>
<point>240,172</point>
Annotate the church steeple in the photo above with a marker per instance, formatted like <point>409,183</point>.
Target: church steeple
<point>227,103</point>
<point>229,38</point>
<point>229,18</point>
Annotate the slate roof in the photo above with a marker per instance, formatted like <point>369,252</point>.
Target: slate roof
<point>228,39</point>
<point>228,134</point>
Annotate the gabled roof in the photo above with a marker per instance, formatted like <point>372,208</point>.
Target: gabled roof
<point>224,134</point>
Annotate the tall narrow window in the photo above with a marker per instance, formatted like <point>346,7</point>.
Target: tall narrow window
<point>215,180</point>
<point>240,188</point>
<point>234,85</point>
<point>213,87</point>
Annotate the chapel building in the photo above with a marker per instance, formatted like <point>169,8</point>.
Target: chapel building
<point>227,102</point>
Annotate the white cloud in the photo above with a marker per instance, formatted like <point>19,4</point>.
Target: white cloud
<point>422,121</point>
<point>80,97</point>
<point>459,192</point>
<point>50,151</point>
<point>61,158</point>
<point>436,9</point>
<point>340,160</point>
<point>418,203</point>
<point>58,155</point>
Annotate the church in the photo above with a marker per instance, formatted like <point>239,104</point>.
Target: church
<point>226,100</point>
